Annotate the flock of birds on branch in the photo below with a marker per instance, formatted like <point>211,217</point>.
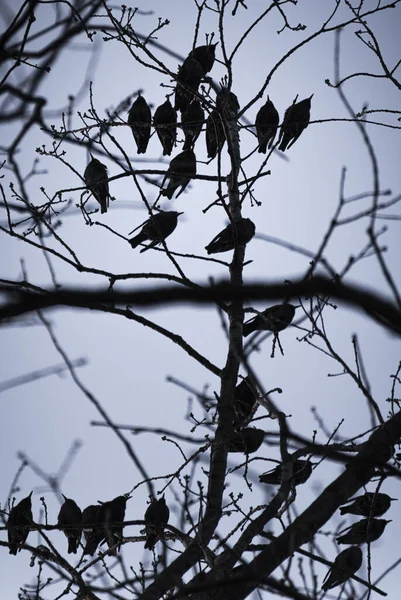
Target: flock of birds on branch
<point>182,168</point>
<point>104,522</point>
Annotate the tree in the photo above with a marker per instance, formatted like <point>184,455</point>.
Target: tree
<point>323,249</point>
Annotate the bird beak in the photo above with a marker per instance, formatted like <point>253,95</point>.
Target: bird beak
<point>394,499</point>
<point>30,494</point>
<point>179,213</point>
<point>64,497</point>
<point>310,97</point>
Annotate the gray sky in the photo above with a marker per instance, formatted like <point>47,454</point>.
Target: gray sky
<point>128,364</point>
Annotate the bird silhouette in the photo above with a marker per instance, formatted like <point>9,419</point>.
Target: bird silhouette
<point>296,119</point>
<point>245,397</point>
<point>266,124</point>
<point>70,515</point>
<point>191,122</point>
<point>247,440</point>
<point>179,173</point>
<point>156,229</point>
<point>156,519</point>
<point>215,134</point>
<point>240,231</point>
<point>363,532</point>
<point>188,79</point>
<point>165,122</point>
<point>369,504</point>
<point>97,182</point>
<point>345,565</point>
<point>93,527</point>
<point>301,471</point>
<point>227,102</point>
<point>139,119</point>
<point>113,516</point>
<point>18,522</point>
<point>205,56</point>
<point>275,319</point>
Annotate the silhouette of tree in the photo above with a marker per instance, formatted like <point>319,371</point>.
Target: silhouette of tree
<point>225,499</point>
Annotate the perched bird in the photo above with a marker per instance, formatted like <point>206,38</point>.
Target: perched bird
<point>245,397</point>
<point>368,505</point>
<point>215,134</point>
<point>301,471</point>
<point>247,440</point>
<point>70,515</point>
<point>165,122</point>
<point>156,229</point>
<point>19,520</point>
<point>113,516</point>
<point>179,173</point>
<point>363,532</point>
<point>191,122</point>
<point>188,79</point>
<point>345,565</point>
<point>296,119</point>
<point>139,119</point>
<point>93,527</point>
<point>156,518</point>
<point>266,124</point>
<point>240,231</point>
<point>275,319</point>
<point>205,55</point>
<point>97,182</point>
<point>227,102</point>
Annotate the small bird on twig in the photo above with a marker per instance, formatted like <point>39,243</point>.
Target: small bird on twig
<point>369,504</point>
<point>301,471</point>
<point>139,119</point>
<point>363,532</point>
<point>245,397</point>
<point>18,522</point>
<point>113,516</point>
<point>156,519</point>
<point>191,122</point>
<point>275,319</point>
<point>266,124</point>
<point>215,134</point>
<point>70,515</point>
<point>247,440</point>
<point>179,173</point>
<point>240,231</point>
<point>165,122</point>
<point>97,182</point>
<point>188,79</point>
<point>296,119</point>
<point>205,55</point>
<point>156,229</point>
<point>345,565</point>
<point>93,527</point>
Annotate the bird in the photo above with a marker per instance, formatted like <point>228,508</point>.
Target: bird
<point>93,527</point>
<point>139,119</point>
<point>247,440</point>
<point>275,319</point>
<point>345,565</point>
<point>368,505</point>
<point>70,515</point>
<point>363,532</point>
<point>205,55</point>
<point>113,516</point>
<point>245,397</point>
<point>156,519</point>
<point>18,522</point>
<point>296,119</point>
<point>191,122</point>
<point>266,124</point>
<point>301,471</point>
<point>179,173</point>
<point>240,231</point>
<point>227,102</point>
<point>97,182</point>
<point>156,229</point>
<point>215,134</point>
<point>188,79</point>
<point>165,122</point>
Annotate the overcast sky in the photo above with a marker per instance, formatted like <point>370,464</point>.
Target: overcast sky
<point>127,363</point>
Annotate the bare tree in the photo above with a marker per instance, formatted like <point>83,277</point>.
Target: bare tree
<point>218,141</point>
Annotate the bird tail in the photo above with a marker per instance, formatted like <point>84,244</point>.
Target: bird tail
<point>72,545</point>
<point>262,147</point>
<point>151,541</point>
<point>138,239</point>
<point>344,510</point>
<point>168,193</point>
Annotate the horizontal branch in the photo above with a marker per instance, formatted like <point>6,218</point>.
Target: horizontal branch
<point>380,309</point>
